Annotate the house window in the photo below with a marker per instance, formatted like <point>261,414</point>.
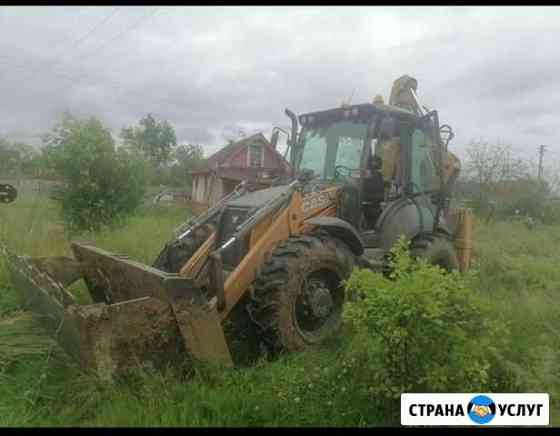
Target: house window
<point>256,155</point>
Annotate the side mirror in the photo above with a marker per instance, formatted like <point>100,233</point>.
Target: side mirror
<point>276,135</point>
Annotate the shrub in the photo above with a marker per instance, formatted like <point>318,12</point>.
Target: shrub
<point>101,184</point>
<point>529,199</point>
<point>429,331</point>
<point>551,214</point>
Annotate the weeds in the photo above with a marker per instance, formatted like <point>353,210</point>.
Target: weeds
<point>514,279</point>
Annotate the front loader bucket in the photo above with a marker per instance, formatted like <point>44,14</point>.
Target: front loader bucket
<point>139,316</point>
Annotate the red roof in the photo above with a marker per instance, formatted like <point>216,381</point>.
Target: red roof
<point>216,160</point>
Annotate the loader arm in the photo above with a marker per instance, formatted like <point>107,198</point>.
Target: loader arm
<point>196,262</point>
<point>271,229</point>
<point>286,223</point>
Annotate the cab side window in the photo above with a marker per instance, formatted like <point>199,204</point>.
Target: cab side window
<point>422,168</point>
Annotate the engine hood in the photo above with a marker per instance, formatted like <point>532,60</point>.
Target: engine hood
<point>259,198</point>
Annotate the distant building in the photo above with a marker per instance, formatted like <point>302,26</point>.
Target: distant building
<point>252,158</point>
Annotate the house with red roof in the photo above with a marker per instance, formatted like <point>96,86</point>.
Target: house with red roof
<point>253,158</point>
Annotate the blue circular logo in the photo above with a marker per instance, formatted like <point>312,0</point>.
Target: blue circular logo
<point>481,409</point>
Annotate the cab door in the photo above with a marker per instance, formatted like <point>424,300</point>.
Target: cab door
<point>425,155</point>
<point>423,174</point>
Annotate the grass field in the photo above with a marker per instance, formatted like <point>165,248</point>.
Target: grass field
<point>516,272</point>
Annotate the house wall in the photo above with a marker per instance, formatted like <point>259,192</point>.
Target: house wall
<point>270,161</point>
<point>207,189</point>
<point>199,187</point>
<point>240,159</point>
<point>217,191</point>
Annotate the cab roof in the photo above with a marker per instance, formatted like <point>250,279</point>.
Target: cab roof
<point>356,112</point>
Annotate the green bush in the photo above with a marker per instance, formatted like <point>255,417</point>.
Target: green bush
<point>102,184</point>
<point>429,331</point>
<point>551,214</point>
<point>529,199</point>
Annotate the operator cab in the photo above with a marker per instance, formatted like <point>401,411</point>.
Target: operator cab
<point>375,151</point>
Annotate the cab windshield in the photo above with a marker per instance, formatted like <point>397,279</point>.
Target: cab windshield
<point>337,145</point>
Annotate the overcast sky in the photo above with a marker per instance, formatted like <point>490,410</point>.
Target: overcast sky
<point>492,72</point>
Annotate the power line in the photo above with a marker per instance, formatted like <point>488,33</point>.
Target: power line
<point>118,88</point>
<point>135,24</point>
<point>124,32</point>
<point>76,43</point>
<point>74,77</point>
<point>95,27</point>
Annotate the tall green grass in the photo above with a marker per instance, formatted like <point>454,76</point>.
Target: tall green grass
<point>515,272</point>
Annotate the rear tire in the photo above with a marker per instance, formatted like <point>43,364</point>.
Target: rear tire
<point>297,298</point>
<point>436,250</point>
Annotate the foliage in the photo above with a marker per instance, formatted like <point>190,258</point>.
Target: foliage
<point>551,213</point>
<point>515,275</point>
<point>19,158</point>
<point>171,164</point>
<point>490,163</point>
<point>154,139</point>
<point>497,181</point>
<point>529,199</point>
<point>523,197</point>
<point>101,184</point>
<point>430,331</point>
<point>187,157</point>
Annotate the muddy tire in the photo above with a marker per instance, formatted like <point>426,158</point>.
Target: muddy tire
<point>297,299</point>
<point>436,250</point>
<point>175,254</point>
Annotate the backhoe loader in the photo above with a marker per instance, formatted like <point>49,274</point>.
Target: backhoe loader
<point>363,175</point>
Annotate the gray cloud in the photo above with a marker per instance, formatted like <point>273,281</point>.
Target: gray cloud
<point>490,71</point>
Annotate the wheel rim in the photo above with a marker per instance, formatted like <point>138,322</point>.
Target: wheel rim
<point>318,306</point>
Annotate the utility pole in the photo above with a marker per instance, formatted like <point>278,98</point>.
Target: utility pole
<point>541,153</point>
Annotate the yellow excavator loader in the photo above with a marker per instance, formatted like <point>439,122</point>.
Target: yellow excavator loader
<point>363,175</point>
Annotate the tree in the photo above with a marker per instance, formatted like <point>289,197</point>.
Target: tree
<point>17,158</point>
<point>551,174</point>
<point>488,164</point>
<point>101,184</point>
<point>495,173</point>
<point>186,158</point>
<point>155,139</point>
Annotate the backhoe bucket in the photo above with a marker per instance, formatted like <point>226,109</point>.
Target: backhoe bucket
<point>139,316</point>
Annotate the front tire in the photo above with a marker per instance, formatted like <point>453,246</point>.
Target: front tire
<point>298,297</point>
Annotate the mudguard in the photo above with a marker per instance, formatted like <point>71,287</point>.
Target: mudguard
<point>342,230</point>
